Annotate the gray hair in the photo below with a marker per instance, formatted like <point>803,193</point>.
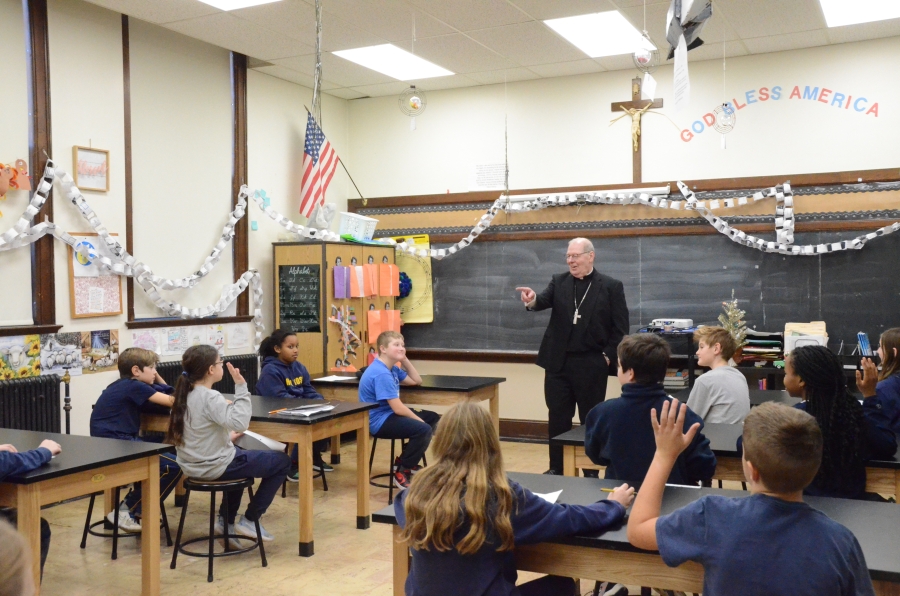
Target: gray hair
<point>585,244</point>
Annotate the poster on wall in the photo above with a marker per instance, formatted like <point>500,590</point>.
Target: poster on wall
<point>237,336</point>
<point>174,341</point>
<point>215,336</point>
<point>99,351</point>
<point>20,357</point>
<point>93,290</point>
<point>148,339</point>
<point>61,352</point>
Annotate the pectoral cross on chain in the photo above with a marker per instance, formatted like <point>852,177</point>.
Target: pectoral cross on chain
<point>576,317</point>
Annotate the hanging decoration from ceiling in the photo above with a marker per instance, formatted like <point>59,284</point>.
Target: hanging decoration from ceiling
<point>412,103</point>
<point>685,19</point>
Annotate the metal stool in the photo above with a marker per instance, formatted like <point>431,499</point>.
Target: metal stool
<point>114,534</point>
<point>212,487</point>
<point>390,484</point>
<point>287,449</point>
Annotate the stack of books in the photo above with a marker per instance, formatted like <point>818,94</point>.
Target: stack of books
<point>675,379</point>
<point>763,346</point>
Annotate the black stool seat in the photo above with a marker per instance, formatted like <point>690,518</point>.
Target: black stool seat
<point>212,487</point>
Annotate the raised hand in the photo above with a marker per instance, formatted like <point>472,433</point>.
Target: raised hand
<point>623,494</point>
<point>527,294</point>
<point>670,439</point>
<point>867,379</point>
<point>235,374</point>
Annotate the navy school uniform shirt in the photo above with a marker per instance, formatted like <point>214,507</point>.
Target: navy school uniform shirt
<point>117,413</point>
<point>888,394</point>
<point>26,461</point>
<point>619,435</point>
<point>764,546</point>
<point>278,379</point>
<point>492,573</point>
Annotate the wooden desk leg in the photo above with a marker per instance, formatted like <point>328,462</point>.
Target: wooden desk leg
<point>883,588</point>
<point>495,408</point>
<point>28,503</point>
<point>304,463</point>
<point>150,549</point>
<point>897,485</point>
<point>569,461</point>
<point>362,475</point>
<point>109,495</point>
<point>401,562</point>
<point>336,449</point>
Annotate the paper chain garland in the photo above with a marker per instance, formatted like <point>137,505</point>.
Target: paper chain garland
<point>784,219</point>
<point>123,263</point>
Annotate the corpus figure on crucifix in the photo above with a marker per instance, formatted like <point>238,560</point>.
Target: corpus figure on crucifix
<point>635,121</point>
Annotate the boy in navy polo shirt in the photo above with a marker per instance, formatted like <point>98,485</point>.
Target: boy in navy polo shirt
<point>769,543</point>
<point>392,419</point>
<point>117,415</point>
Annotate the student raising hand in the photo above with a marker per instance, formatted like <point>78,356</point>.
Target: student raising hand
<point>867,378</point>
<point>623,494</point>
<point>670,440</point>
<point>236,374</point>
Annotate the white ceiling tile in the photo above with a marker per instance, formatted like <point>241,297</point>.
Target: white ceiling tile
<point>544,9</point>
<point>528,43</point>
<point>627,3</point>
<point>790,41</point>
<point>467,15</point>
<point>562,69</point>
<point>337,70</point>
<point>297,20</point>
<point>158,11</point>
<point>389,19</point>
<point>509,75</point>
<point>382,89</point>
<point>713,51</point>
<point>864,31</point>
<point>238,35</point>
<point>282,72</point>
<point>450,82</point>
<point>622,62</point>
<point>460,54</point>
<point>760,18</point>
<point>344,93</point>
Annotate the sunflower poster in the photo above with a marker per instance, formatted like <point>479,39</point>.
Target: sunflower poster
<point>20,357</point>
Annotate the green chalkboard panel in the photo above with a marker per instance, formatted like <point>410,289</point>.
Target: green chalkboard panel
<point>299,298</point>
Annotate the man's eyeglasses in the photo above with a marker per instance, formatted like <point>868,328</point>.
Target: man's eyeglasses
<point>572,257</point>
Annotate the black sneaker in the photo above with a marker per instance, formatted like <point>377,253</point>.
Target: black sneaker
<point>294,475</point>
<point>552,472</point>
<point>616,590</point>
<point>401,478</point>
<point>319,465</point>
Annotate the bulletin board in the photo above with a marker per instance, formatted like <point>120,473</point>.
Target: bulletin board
<point>93,291</point>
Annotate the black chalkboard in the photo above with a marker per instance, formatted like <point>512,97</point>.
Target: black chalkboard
<point>476,306</point>
<point>298,298</point>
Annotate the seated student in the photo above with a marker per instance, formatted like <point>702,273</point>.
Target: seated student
<point>463,517</point>
<point>117,415</point>
<point>202,427</point>
<point>618,434</point>
<point>283,376</point>
<point>769,543</point>
<point>392,419</point>
<point>886,384</point>
<point>722,394</point>
<point>852,433</point>
<point>12,462</point>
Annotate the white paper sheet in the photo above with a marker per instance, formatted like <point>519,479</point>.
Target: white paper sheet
<point>334,378</point>
<point>270,443</point>
<point>648,87</point>
<point>237,335</point>
<point>682,82</point>
<point>549,497</point>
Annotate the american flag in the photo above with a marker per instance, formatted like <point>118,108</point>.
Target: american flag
<point>319,163</point>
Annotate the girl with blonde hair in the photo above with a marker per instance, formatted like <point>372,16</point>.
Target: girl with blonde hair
<point>463,517</point>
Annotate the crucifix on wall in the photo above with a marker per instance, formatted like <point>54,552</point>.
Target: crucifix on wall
<point>635,108</point>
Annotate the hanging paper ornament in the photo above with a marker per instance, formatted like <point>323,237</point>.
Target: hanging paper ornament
<point>412,103</point>
<point>726,118</point>
<point>405,285</point>
<point>646,57</point>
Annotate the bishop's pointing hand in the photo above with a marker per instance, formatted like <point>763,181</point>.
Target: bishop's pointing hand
<point>527,294</point>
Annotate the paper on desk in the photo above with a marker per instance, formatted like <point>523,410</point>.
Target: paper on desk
<point>306,411</point>
<point>270,443</point>
<point>549,497</point>
<point>335,378</point>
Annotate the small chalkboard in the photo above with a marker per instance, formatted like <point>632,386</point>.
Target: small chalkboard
<point>298,298</point>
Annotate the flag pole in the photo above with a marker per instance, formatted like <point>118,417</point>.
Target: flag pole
<point>341,161</point>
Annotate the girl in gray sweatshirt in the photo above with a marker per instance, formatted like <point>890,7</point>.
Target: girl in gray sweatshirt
<point>202,428</point>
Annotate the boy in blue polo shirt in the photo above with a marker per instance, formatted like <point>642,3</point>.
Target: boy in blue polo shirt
<point>769,543</point>
<point>392,419</point>
<point>117,415</point>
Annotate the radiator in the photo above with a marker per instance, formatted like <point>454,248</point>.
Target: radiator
<point>31,404</point>
<point>248,363</point>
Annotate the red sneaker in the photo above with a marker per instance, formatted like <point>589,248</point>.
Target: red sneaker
<point>412,470</point>
<point>401,478</point>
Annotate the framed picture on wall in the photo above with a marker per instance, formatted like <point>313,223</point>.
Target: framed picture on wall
<point>91,168</point>
<point>93,290</point>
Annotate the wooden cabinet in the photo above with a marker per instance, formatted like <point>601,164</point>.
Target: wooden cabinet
<point>295,266</point>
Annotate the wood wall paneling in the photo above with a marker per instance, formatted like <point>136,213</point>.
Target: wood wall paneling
<point>129,222</point>
<point>240,243</point>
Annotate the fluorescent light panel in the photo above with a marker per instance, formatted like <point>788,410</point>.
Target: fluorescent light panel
<point>236,4</point>
<point>600,34</point>
<point>846,12</point>
<point>390,60</point>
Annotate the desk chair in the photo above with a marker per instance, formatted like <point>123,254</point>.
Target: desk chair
<point>212,487</point>
<point>390,474</point>
<point>114,534</point>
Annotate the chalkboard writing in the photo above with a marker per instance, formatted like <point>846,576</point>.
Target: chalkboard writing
<point>476,306</point>
<point>298,298</point>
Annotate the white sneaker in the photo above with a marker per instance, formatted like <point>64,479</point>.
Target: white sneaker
<point>247,528</point>
<point>219,529</point>
<point>127,522</point>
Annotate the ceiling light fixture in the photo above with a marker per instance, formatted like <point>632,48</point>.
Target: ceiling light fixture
<point>844,12</point>
<point>601,34</point>
<point>236,4</point>
<point>390,60</point>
